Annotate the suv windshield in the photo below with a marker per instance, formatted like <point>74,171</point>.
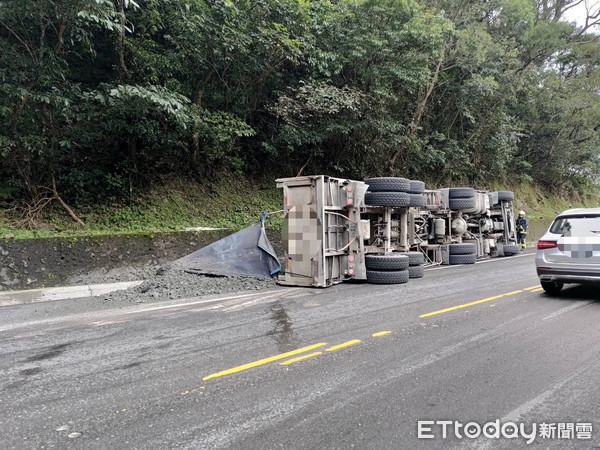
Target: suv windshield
<point>576,225</point>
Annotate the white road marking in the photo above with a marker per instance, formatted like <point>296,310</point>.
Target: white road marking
<point>99,324</point>
<point>516,414</point>
<point>206,308</point>
<point>566,309</point>
<point>481,262</point>
<point>63,293</point>
<point>247,304</point>
<point>200,302</point>
<point>116,315</point>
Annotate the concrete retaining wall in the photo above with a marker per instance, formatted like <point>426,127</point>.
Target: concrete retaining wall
<point>36,263</point>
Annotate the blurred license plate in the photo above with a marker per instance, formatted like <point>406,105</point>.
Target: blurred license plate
<point>579,247</point>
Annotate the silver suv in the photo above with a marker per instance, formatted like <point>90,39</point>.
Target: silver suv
<point>569,252</point>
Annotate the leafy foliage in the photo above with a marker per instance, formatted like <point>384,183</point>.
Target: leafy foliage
<point>101,98</point>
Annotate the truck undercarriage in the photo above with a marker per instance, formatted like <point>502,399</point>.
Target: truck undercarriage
<point>383,230</point>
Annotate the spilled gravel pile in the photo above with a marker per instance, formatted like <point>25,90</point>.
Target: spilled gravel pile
<point>171,284</point>
<point>115,275</point>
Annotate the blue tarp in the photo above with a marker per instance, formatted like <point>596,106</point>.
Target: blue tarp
<point>247,253</point>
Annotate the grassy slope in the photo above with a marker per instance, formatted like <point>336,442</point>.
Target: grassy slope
<point>234,204</point>
<point>539,205</point>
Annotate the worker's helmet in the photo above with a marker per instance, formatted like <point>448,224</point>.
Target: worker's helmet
<point>521,213</point>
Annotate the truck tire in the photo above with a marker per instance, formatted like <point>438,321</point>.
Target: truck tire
<point>415,258</point>
<point>417,200</point>
<point>416,272</point>
<point>472,242</point>
<point>511,249</point>
<point>552,288</point>
<point>394,199</point>
<point>417,187</point>
<point>462,203</point>
<point>389,277</point>
<point>461,192</point>
<point>388,184</point>
<point>395,261</point>
<point>463,259</point>
<point>462,249</point>
<point>505,195</point>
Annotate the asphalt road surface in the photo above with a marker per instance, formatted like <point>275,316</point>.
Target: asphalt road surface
<point>352,366</point>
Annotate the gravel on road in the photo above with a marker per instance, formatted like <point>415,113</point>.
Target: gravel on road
<point>172,284</point>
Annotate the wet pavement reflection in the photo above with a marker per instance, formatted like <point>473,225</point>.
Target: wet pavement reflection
<point>282,331</point>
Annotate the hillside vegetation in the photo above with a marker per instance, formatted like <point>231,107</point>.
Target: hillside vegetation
<point>231,205</point>
<point>105,101</point>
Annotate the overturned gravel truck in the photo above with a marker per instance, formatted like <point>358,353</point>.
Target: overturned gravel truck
<point>384,230</point>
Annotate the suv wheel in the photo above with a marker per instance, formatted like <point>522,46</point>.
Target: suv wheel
<point>552,287</point>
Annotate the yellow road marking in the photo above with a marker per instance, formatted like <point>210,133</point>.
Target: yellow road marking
<point>299,358</point>
<point>477,302</point>
<point>343,345</point>
<point>381,333</point>
<point>260,362</point>
<point>537,290</point>
<point>531,288</point>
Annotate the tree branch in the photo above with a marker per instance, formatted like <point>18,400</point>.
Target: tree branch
<point>64,205</point>
<point>16,35</point>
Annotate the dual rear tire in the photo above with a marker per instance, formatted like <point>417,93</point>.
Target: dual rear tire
<point>388,277</point>
<point>465,253</point>
<point>387,269</point>
<point>396,268</point>
<point>460,198</point>
<point>395,192</point>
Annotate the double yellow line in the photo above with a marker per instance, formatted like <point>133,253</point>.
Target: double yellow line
<point>285,355</point>
<point>300,351</point>
<point>261,362</point>
<point>330,349</point>
<point>478,302</point>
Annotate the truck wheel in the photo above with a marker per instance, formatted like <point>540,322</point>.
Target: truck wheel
<point>395,261</point>
<point>389,277</point>
<point>505,195</point>
<point>417,200</point>
<point>462,203</point>
<point>463,259</point>
<point>461,192</point>
<point>511,249</point>
<point>416,187</point>
<point>394,199</point>
<point>388,184</point>
<point>473,242</point>
<point>462,249</point>
<point>552,288</point>
<point>416,272</point>
<point>415,258</point>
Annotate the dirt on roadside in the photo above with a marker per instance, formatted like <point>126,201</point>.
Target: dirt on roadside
<point>172,284</point>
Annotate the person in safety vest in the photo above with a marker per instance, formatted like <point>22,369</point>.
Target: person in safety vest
<point>522,225</point>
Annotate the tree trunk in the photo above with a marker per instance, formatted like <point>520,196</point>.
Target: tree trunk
<point>132,145</point>
<point>196,138</point>
<point>304,166</point>
<point>121,39</point>
<point>422,104</point>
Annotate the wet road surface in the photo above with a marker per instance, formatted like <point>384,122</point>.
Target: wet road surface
<point>355,365</point>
